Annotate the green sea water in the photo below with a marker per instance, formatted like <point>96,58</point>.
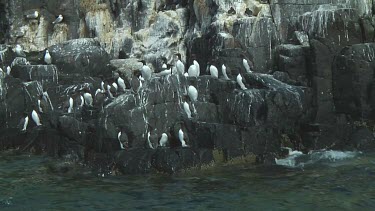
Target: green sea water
<point>338,182</point>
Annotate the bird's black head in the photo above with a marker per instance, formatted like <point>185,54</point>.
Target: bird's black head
<point>248,12</point>
<point>136,73</point>
<point>178,55</point>
<point>86,89</point>
<point>193,57</point>
<point>169,66</point>
<point>142,61</point>
<point>164,59</point>
<point>231,11</point>
<point>25,114</point>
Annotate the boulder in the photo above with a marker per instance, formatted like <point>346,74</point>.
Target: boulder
<point>80,57</point>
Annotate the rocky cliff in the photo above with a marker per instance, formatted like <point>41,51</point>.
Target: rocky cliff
<point>311,85</point>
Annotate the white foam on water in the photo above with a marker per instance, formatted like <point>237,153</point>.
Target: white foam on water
<point>297,159</point>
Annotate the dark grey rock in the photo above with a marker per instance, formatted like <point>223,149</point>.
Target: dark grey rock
<point>352,78</point>
<point>80,57</point>
<point>363,139</point>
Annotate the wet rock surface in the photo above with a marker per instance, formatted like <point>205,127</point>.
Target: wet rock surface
<point>311,82</point>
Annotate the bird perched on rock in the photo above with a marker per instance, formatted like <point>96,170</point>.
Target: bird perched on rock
<point>145,70</point>
<point>149,143</point>
<point>193,71</point>
<point>47,57</point>
<point>103,84</point>
<point>111,90</point>
<point>70,108</point>
<point>240,82</point>
<point>164,62</point>
<point>163,140</point>
<point>246,64</point>
<point>19,51</point>
<point>88,98</point>
<point>36,118</point>
<point>181,138</point>
<point>213,71</point>
<point>122,138</point>
<point>179,65</point>
<point>121,84</point>
<point>231,11</point>
<point>100,97</point>
<point>166,71</point>
<point>58,19</point>
<point>32,15</point>
<point>136,83</point>
<point>187,109</point>
<point>248,12</point>
<point>197,66</point>
<point>24,122</point>
<point>78,100</point>
<point>8,70</point>
<point>39,104</point>
<point>193,93</point>
<point>224,71</point>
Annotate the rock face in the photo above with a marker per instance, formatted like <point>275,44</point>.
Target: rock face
<point>311,85</point>
<point>80,57</point>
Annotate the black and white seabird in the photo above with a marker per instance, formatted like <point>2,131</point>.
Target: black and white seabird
<point>39,104</point>
<point>248,12</point>
<point>146,71</point>
<point>122,138</point>
<point>119,140</point>
<point>224,71</point>
<point>88,98</point>
<point>187,109</point>
<point>32,15</point>
<point>240,82</point>
<point>231,11</point>
<point>58,19</point>
<point>78,100</point>
<point>165,62</point>
<point>163,140</point>
<point>193,93</point>
<point>110,91</point>
<point>193,71</point>
<point>149,143</point>
<point>8,70</point>
<point>103,83</point>
<point>19,51</point>
<point>121,84</point>
<point>47,57</point>
<point>179,65</point>
<point>24,122</point>
<point>100,97</point>
<point>197,66</point>
<point>194,58</point>
<point>36,118</point>
<point>136,83</point>
<point>114,87</point>
<point>213,71</point>
<point>181,138</point>
<point>246,64</point>
<point>71,103</point>
<point>166,71</point>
